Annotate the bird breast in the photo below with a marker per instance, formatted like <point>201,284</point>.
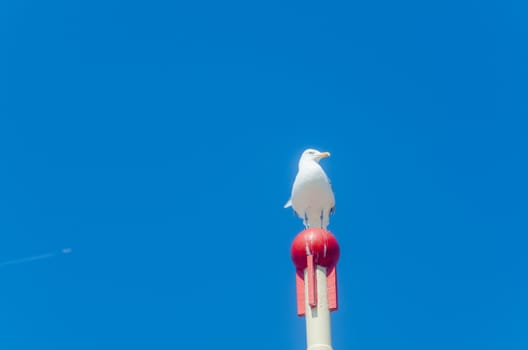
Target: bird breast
<point>311,187</point>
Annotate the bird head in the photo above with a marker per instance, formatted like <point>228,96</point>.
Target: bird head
<point>314,155</point>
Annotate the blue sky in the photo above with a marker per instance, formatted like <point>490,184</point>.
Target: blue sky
<point>159,140</point>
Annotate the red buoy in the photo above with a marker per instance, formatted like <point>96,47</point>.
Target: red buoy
<point>319,243</point>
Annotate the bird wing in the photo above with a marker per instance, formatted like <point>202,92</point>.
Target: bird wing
<point>288,203</point>
<point>332,210</point>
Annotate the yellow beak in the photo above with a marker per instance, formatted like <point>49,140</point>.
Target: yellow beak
<point>324,154</point>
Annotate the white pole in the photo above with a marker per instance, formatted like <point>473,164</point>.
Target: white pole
<point>318,335</point>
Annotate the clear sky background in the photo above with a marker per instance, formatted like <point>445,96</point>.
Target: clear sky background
<point>159,141</point>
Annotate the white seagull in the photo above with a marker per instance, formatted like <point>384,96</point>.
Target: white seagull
<point>312,197</point>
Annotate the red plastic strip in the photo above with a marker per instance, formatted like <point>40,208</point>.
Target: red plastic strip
<point>299,283</point>
<point>331,287</point>
<point>312,281</point>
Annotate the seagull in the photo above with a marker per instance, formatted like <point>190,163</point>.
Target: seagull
<point>312,197</point>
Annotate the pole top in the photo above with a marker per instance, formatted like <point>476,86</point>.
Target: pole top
<point>317,242</point>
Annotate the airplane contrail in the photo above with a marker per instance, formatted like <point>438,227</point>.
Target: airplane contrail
<point>35,257</point>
